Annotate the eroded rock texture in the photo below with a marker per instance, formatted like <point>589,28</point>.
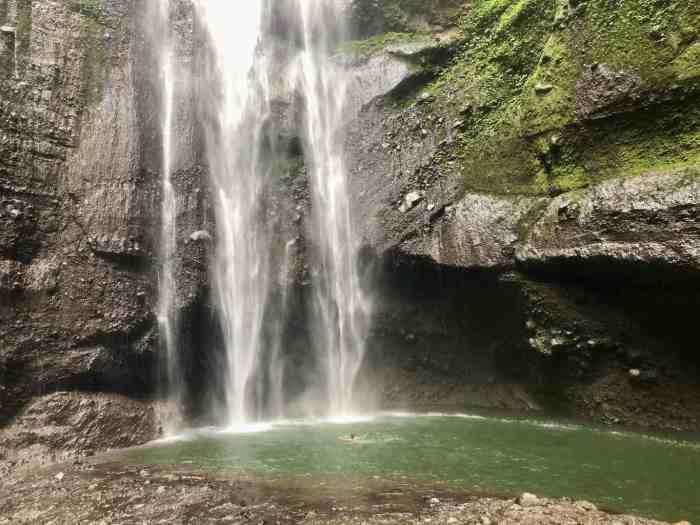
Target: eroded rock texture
<point>524,176</point>
<point>79,193</point>
<point>555,147</point>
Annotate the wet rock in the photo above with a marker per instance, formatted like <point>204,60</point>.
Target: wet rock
<point>585,505</point>
<point>77,423</point>
<point>201,235</point>
<point>411,200</point>
<point>527,499</point>
<point>543,89</point>
<point>602,90</point>
<point>635,220</point>
<point>643,377</point>
<point>478,232</point>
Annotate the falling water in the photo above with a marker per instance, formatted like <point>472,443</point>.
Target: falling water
<point>166,312</point>
<point>235,103</point>
<point>342,308</point>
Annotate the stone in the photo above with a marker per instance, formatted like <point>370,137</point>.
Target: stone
<point>411,200</point>
<point>527,499</point>
<point>59,476</point>
<point>585,505</point>
<point>425,97</point>
<point>543,89</point>
<point>200,235</point>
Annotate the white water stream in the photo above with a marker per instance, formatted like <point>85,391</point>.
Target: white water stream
<point>166,310</point>
<point>342,308</point>
<point>240,65</point>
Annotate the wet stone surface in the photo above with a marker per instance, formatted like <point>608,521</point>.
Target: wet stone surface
<point>102,493</point>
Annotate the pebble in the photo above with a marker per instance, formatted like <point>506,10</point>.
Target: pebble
<point>586,505</point>
<point>59,476</point>
<point>160,490</point>
<point>528,500</point>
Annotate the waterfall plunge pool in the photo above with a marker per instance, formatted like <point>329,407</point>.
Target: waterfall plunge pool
<point>650,476</point>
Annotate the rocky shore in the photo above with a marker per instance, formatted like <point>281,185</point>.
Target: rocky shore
<point>96,492</point>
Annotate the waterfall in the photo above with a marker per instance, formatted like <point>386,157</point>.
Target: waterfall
<point>342,309</point>
<point>238,70</point>
<point>166,309</point>
<point>235,107</point>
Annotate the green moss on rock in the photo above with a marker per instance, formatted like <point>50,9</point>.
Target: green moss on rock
<point>562,94</point>
<point>89,8</point>
<point>93,69</point>
<point>24,34</point>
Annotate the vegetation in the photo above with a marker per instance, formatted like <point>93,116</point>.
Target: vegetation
<point>554,95</point>
<point>93,68</point>
<point>88,8</point>
<point>24,33</point>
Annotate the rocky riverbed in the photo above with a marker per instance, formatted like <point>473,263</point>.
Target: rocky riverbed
<point>106,492</point>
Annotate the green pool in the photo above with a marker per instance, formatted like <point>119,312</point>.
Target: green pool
<point>646,475</point>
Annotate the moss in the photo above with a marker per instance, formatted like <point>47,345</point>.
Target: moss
<point>24,34</point>
<point>377,43</point>
<point>401,15</point>
<point>93,67</point>
<point>88,8</point>
<point>535,118</point>
<point>518,82</point>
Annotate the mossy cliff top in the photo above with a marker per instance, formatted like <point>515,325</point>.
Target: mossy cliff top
<point>554,95</point>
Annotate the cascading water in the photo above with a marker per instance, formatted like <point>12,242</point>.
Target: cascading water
<point>235,106</point>
<point>167,312</point>
<point>342,309</point>
<point>239,57</point>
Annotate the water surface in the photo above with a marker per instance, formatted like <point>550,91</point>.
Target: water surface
<point>645,475</point>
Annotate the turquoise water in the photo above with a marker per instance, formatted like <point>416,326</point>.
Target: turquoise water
<point>625,472</point>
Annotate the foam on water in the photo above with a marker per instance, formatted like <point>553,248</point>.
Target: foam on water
<point>247,428</point>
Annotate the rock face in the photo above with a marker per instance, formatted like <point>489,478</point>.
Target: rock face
<point>653,219</point>
<point>562,161</point>
<point>524,176</point>
<point>69,423</point>
<point>79,194</point>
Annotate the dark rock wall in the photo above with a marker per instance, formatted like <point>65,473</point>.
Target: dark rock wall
<point>80,160</point>
<point>524,175</point>
<point>553,146</point>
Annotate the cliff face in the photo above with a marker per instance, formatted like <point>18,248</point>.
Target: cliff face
<point>553,145</point>
<point>79,193</point>
<point>524,174</point>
